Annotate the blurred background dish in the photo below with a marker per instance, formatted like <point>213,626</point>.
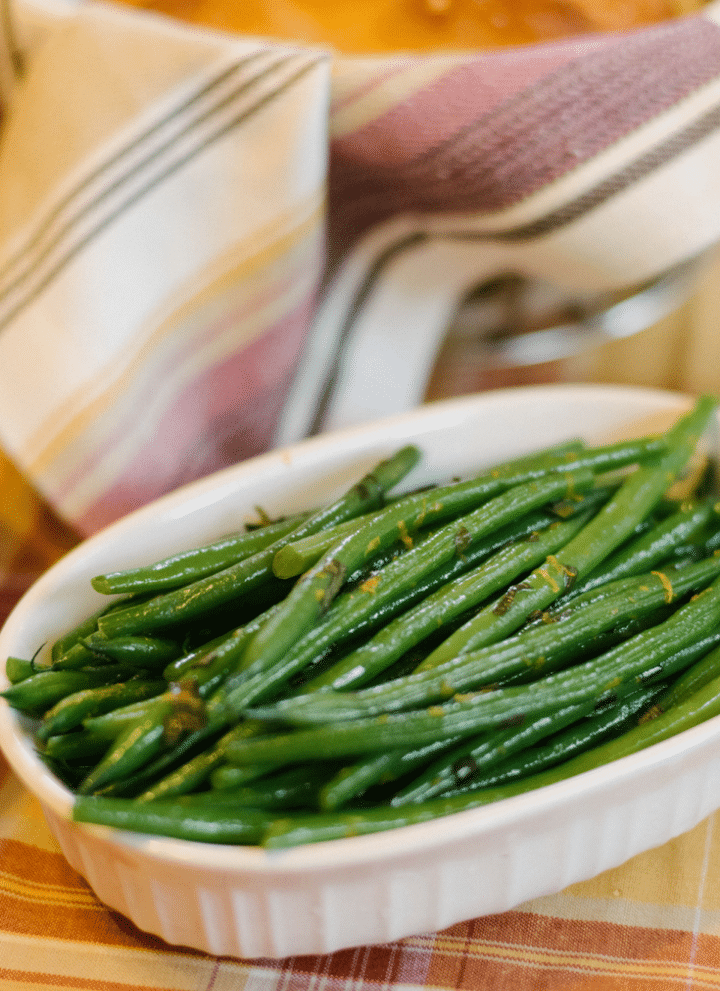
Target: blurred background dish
<point>365,26</point>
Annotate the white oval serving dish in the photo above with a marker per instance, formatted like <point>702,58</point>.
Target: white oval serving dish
<point>316,899</point>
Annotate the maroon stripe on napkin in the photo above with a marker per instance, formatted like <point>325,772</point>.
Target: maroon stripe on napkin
<point>614,184</point>
<point>529,140</point>
<point>227,414</point>
<point>464,94</point>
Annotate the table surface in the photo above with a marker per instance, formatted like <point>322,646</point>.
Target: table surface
<point>651,924</point>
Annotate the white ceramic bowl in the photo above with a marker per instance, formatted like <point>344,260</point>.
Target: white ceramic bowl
<point>315,899</point>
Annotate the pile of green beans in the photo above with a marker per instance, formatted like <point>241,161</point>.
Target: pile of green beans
<point>390,658</point>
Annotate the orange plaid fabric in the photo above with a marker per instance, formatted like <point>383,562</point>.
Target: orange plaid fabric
<point>630,929</point>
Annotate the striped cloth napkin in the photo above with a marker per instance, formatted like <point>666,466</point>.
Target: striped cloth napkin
<point>213,244</point>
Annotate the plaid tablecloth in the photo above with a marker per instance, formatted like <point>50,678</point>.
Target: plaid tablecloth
<point>652,924</point>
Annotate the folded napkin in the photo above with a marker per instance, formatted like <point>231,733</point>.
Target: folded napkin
<point>212,244</point>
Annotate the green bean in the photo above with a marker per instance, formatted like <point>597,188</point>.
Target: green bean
<point>209,824</point>
<point>355,779</point>
<point>171,716</point>
<point>145,652</point>
<point>68,652</point>
<point>76,657</point>
<point>606,531</point>
<point>222,651</point>
<point>645,657</point>
<point>225,777</point>
<point>83,629</point>
<point>40,691</point>
<point>198,562</point>
<point>312,594</point>
<point>181,755</point>
<point>79,745</point>
<point>296,557</point>
<point>537,649</point>
<point>514,547</point>
<point>18,669</point>
<point>513,753</point>
<point>299,555</point>
<point>655,545</point>
<point>443,606</point>
<point>293,830</point>
<point>297,787</point>
<point>447,763</point>
<point>192,601</point>
<point>357,611</point>
<point>213,669</point>
<point>181,779</point>
<point>404,581</point>
<point>199,656</point>
<point>109,725</point>
<point>690,681</point>
<point>71,710</point>
<point>195,772</point>
<point>247,576</point>
<point>172,768</point>
<point>363,608</point>
<point>409,514</point>
<point>203,678</point>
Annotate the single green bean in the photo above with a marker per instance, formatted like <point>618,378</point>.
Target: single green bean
<point>209,824</point>
<point>198,562</point>
<point>225,777</point>
<point>109,725</point>
<point>80,745</point>
<point>145,652</point>
<point>18,669</point>
<point>40,691</point>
